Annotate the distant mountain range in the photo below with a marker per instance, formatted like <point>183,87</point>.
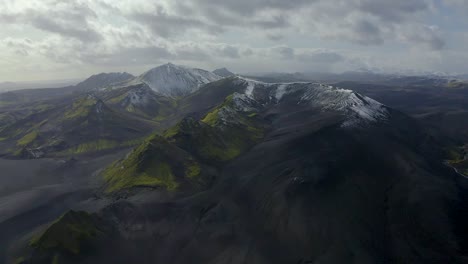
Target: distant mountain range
<point>12,86</point>
<point>363,77</point>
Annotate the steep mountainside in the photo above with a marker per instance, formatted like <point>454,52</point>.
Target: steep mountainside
<point>79,125</point>
<point>274,173</point>
<point>174,80</point>
<point>443,110</point>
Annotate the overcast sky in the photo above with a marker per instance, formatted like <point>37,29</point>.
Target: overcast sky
<point>47,39</point>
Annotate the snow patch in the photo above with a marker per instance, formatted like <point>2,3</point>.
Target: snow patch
<point>281,91</point>
<point>250,88</point>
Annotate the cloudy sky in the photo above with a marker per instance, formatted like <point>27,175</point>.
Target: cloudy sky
<point>49,39</point>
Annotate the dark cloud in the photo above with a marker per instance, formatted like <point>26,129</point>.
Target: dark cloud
<point>394,10</point>
<point>256,13</point>
<point>366,22</point>
<point>279,21</point>
<point>228,51</point>
<point>167,25</point>
<point>429,36</point>
<point>366,33</point>
<point>67,18</point>
<point>250,7</point>
<point>55,26</point>
<point>192,52</point>
<point>321,57</point>
<point>275,37</point>
<point>247,52</point>
<point>131,56</point>
<point>284,52</point>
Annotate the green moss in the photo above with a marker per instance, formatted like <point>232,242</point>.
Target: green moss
<point>55,259</point>
<point>27,139</point>
<point>252,115</point>
<point>67,234</point>
<point>158,175</point>
<point>457,84</point>
<point>80,108</point>
<point>211,118</point>
<point>174,130</point>
<point>5,103</point>
<point>99,145</point>
<point>42,107</point>
<point>20,260</point>
<point>214,143</point>
<point>461,166</point>
<point>146,166</point>
<point>193,170</point>
<point>16,152</point>
<point>157,162</point>
<point>118,99</point>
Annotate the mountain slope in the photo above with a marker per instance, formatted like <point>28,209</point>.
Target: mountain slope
<point>317,175</point>
<point>85,124</point>
<point>174,80</point>
<point>140,100</point>
<point>103,80</point>
<point>223,72</point>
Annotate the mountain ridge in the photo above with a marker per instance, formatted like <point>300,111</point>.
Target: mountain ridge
<point>175,80</point>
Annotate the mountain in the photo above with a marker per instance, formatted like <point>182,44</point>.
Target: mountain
<point>140,100</point>
<point>102,80</point>
<point>271,173</point>
<point>26,96</point>
<point>223,72</point>
<point>174,80</point>
<point>80,125</point>
<point>13,86</point>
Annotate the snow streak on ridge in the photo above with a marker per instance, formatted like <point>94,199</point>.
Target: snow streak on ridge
<point>358,109</point>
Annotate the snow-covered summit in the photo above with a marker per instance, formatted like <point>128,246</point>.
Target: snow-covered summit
<point>175,80</point>
<point>358,109</point>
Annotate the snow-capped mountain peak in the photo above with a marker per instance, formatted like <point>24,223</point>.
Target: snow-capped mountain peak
<point>175,80</point>
<point>357,108</point>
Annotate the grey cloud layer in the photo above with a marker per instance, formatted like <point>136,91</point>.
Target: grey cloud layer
<point>366,22</point>
<point>140,32</point>
<point>69,19</point>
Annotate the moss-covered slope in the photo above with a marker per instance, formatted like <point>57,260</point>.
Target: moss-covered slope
<point>69,234</point>
<point>87,125</point>
<point>155,163</point>
<point>185,149</point>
